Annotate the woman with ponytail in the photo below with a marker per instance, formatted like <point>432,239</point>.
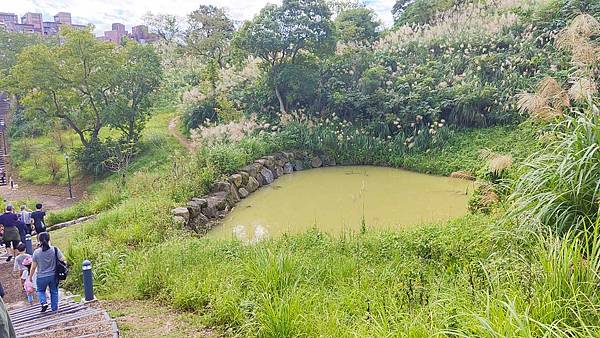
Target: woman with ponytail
<point>44,263</point>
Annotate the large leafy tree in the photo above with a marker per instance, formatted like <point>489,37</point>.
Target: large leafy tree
<point>138,76</point>
<point>358,25</point>
<point>166,26</point>
<point>12,44</point>
<point>88,84</point>
<point>209,33</point>
<point>280,35</point>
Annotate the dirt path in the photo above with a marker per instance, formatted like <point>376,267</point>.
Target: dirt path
<point>54,197</point>
<point>10,282</point>
<point>174,130</point>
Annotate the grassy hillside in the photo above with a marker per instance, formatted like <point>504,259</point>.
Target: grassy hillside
<point>444,97</point>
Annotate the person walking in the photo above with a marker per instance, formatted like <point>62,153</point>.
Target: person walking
<point>44,263</point>
<point>11,238</point>
<point>25,216</point>
<point>38,219</point>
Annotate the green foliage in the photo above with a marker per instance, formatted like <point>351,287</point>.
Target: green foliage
<point>278,35</point>
<point>466,278</point>
<point>137,77</point>
<point>166,26</point>
<point>462,151</point>
<point>560,185</point>
<point>421,11</point>
<point>102,200</point>
<point>209,33</point>
<point>406,106</point>
<point>88,85</point>
<point>12,44</point>
<point>357,25</point>
<point>199,113</point>
<point>41,159</point>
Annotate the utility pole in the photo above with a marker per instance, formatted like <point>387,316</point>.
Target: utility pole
<point>69,176</point>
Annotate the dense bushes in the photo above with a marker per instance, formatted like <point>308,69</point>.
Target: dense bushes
<point>465,67</point>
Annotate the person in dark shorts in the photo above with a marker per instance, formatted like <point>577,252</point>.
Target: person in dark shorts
<point>11,237</point>
<point>38,219</point>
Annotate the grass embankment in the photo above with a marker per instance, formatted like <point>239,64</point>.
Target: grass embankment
<point>463,150</point>
<point>158,153</point>
<point>310,283</point>
<point>466,277</point>
<point>41,160</point>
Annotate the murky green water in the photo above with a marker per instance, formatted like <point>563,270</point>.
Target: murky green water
<point>336,199</point>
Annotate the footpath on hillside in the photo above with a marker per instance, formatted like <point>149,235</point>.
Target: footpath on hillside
<point>174,130</point>
<point>73,318</point>
<point>52,196</point>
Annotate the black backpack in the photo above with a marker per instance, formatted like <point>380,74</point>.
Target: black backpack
<point>62,270</point>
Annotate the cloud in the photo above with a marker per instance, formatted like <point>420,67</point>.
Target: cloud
<point>102,13</point>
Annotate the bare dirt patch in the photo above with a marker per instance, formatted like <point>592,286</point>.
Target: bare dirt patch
<point>145,319</point>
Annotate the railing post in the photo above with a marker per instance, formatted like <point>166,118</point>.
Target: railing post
<point>88,281</point>
<point>28,244</point>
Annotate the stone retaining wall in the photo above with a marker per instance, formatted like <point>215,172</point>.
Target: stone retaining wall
<point>202,213</point>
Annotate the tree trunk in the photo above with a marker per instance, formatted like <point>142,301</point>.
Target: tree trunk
<point>281,103</point>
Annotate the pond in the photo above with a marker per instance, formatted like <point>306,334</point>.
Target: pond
<point>337,199</point>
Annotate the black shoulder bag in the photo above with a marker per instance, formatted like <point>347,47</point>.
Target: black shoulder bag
<point>62,270</point>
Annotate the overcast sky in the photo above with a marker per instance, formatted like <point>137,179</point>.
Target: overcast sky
<point>102,13</point>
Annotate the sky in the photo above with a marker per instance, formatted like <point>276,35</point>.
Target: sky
<point>102,13</point>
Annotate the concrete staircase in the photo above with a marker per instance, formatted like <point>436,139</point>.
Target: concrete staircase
<point>73,319</point>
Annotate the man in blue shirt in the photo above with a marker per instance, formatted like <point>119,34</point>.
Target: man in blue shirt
<point>11,236</point>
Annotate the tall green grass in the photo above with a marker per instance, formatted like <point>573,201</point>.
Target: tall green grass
<point>470,277</point>
<point>560,185</point>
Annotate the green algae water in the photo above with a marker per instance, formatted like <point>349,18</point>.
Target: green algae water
<point>337,199</point>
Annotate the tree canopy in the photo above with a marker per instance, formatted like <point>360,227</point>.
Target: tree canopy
<point>209,33</point>
<point>12,44</point>
<point>357,25</point>
<point>166,26</point>
<point>88,84</point>
<point>280,34</point>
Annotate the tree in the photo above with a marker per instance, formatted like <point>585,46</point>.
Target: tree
<point>138,76</point>
<point>338,6</point>
<point>357,25</point>
<point>88,84</point>
<point>279,34</point>
<point>69,82</point>
<point>12,44</point>
<point>421,11</point>
<point>166,26</point>
<point>209,33</point>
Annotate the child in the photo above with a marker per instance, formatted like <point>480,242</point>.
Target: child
<point>28,285</point>
<point>21,266</point>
